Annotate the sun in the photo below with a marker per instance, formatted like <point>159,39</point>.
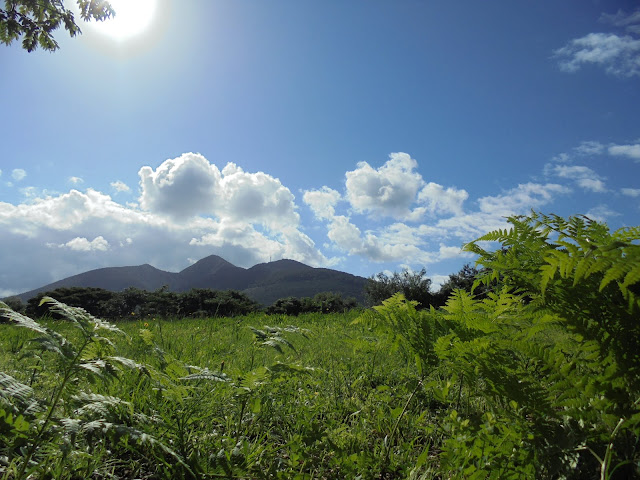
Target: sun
<point>132,18</point>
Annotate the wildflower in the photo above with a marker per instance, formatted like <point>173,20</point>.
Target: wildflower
<point>146,325</point>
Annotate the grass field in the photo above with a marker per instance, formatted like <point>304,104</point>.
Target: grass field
<point>329,401</point>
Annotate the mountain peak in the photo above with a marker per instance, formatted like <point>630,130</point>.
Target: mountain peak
<point>209,264</point>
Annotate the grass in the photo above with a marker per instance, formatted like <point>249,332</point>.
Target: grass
<point>328,399</point>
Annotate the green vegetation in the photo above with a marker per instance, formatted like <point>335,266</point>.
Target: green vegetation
<point>415,286</point>
<point>162,303</point>
<point>538,377</point>
<point>36,20</point>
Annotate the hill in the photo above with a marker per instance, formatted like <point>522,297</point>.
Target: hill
<point>264,283</point>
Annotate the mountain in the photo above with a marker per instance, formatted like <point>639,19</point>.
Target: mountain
<point>264,283</point>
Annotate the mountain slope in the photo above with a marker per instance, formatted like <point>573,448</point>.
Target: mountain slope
<point>264,283</point>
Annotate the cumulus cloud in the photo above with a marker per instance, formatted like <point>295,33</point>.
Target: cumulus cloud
<point>18,174</point>
<point>618,55</point>
<point>396,243</point>
<point>189,185</point>
<point>256,197</point>
<point>442,201</point>
<point>398,191</point>
<point>81,244</point>
<point>181,188</point>
<point>120,186</point>
<point>583,176</point>
<point>388,191</point>
<point>75,180</point>
<point>631,151</point>
<point>322,202</point>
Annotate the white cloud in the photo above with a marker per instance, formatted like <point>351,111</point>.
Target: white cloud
<point>446,252</point>
<point>589,148</point>
<point>120,186</point>
<point>256,197</point>
<point>345,234</point>
<point>592,184</point>
<point>631,151</point>
<point>617,55</point>
<point>189,185</point>
<point>398,191</point>
<point>0,172</point>
<point>181,188</point>
<point>18,174</point>
<point>437,281</point>
<point>389,190</point>
<point>440,200</point>
<point>472,225</point>
<point>584,177</point>
<point>521,198</point>
<point>322,201</point>
<point>75,180</point>
<point>630,192</point>
<point>81,244</point>
<point>601,213</point>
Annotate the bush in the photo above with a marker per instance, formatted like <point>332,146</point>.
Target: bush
<point>414,286</point>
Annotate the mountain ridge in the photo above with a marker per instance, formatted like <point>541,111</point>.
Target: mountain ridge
<point>263,282</point>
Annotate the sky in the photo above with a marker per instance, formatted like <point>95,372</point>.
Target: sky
<point>359,135</point>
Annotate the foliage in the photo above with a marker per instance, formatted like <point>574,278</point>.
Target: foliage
<point>541,377</point>
<point>36,20</point>
<point>134,302</point>
<point>325,302</point>
<point>33,420</point>
<point>415,286</point>
<point>462,280</point>
<point>15,304</point>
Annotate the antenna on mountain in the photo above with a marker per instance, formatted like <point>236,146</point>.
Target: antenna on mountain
<point>269,258</point>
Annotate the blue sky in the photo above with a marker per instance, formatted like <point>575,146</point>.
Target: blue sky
<point>361,135</point>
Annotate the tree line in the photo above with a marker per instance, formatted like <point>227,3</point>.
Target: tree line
<point>203,302</point>
<point>197,302</point>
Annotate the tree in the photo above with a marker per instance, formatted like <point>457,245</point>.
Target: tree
<point>413,285</point>
<point>36,20</point>
<point>463,280</point>
<point>92,299</point>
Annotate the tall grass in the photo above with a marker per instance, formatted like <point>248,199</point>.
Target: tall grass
<point>248,397</point>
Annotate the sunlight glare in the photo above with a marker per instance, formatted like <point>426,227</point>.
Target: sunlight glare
<point>132,18</point>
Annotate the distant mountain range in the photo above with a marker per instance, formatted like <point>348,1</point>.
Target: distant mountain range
<point>264,283</point>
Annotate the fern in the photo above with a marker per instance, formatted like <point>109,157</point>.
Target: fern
<point>90,356</point>
<point>551,355</point>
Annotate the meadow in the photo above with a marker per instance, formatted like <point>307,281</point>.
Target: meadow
<point>539,377</point>
<point>323,399</point>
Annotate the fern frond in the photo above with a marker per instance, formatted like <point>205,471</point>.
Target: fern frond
<point>12,389</point>
<point>206,374</point>
<point>97,405</point>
